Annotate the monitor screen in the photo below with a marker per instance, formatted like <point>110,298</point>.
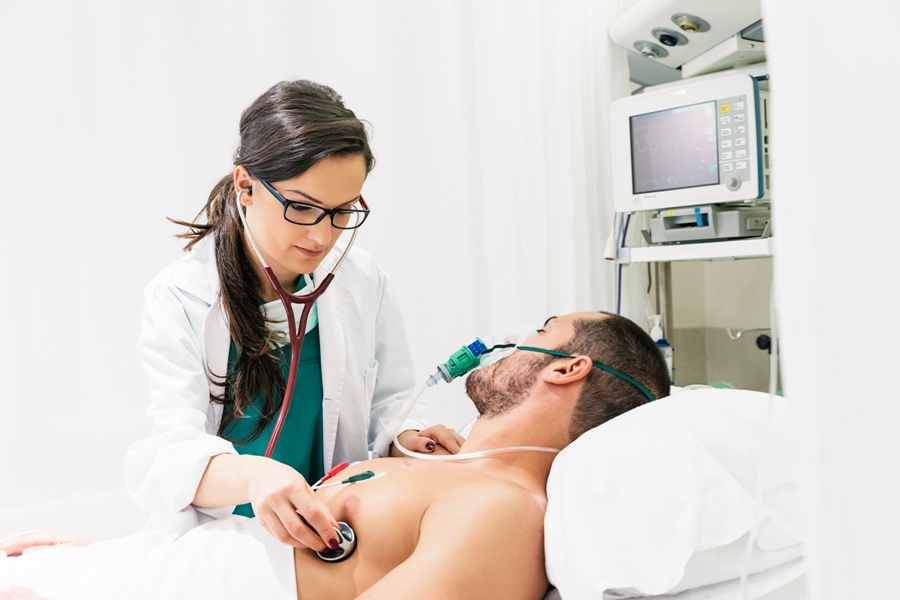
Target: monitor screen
<point>674,149</point>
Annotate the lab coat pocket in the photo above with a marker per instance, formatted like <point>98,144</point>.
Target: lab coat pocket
<point>370,379</point>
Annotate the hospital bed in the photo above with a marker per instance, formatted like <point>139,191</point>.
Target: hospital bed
<point>613,495</point>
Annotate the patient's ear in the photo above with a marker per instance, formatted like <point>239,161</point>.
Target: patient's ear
<point>568,370</point>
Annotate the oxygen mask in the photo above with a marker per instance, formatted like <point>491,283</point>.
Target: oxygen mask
<point>483,352</point>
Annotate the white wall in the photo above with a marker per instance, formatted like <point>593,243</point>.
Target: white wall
<point>114,115</point>
<point>722,293</point>
<point>122,114</point>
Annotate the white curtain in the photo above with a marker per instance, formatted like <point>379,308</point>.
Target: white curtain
<point>530,233</point>
<point>835,159</point>
<point>490,197</point>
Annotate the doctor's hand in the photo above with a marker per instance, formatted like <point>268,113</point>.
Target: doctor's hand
<point>287,508</point>
<point>38,540</point>
<point>437,439</point>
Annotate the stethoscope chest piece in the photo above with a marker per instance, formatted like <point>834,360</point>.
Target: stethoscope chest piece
<point>347,547</point>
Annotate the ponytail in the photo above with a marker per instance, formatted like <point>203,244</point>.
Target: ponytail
<point>257,367</point>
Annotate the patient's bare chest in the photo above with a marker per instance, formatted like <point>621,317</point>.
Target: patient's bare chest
<point>385,513</point>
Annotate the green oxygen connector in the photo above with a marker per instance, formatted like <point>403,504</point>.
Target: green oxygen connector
<point>460,362</point>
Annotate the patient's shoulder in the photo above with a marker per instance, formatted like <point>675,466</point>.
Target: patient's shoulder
<point>488,537</point>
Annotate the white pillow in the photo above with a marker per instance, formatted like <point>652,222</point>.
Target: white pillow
<point>632,501</point>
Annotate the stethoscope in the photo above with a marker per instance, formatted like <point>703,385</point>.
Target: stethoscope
<point>346,536</point>
<point>296,336</point>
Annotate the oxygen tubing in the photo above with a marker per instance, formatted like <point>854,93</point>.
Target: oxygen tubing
<point>463,456</point>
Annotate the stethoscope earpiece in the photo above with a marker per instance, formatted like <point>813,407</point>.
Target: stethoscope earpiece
<point>347,547</point>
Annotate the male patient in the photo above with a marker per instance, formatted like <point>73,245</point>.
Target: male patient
<point>451,530</point>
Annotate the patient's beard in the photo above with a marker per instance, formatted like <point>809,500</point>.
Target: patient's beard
<point>501,387</point>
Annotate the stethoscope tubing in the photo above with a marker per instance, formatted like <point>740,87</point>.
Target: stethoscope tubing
<point>296,337</point>
<point>298,334</point>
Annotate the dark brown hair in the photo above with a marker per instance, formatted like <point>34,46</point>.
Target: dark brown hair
<point>287,130</point>
<point>620,343</point>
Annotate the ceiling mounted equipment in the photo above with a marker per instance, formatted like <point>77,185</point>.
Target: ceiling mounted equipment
<point>674,32</point>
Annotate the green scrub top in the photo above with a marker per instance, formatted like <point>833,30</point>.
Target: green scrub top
<point>300,444</point>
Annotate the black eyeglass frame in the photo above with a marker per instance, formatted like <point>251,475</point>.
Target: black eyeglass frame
<point>325,211</point>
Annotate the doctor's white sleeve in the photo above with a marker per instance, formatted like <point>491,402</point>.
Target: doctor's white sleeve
<point>163,471</point>
<point>394,386</point>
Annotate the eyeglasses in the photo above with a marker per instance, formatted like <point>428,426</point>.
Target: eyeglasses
<point>597,364</point>
<point>308,214</point>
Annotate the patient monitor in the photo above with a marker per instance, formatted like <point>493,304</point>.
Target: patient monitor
<point>702,141</point>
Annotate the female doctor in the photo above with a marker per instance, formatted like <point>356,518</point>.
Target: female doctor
<point>214,344</point>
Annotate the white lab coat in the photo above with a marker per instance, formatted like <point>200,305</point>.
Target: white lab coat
<point>367,377</point>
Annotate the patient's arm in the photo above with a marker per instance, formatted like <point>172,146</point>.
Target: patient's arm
<point>39,539</point>
<point>483,540</point>
<point>19,593</point>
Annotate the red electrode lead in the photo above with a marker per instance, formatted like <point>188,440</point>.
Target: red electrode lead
<point>334,471</point>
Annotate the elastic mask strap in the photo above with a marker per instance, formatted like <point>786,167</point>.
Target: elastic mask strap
<point>498,347</point>
<point>599,365</point>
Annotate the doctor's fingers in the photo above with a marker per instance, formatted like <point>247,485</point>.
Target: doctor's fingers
<point>305,517</point>
<point>316,516</point>
<point>293,533</point>
<point>447,438</point>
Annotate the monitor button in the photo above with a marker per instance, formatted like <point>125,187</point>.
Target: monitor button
<point>726,143</point>
<point>740,154</point>
<point>741,165</point>
<point>725,120</point>
<point>727,155</point>
<point>727,167</point>
<point>739,118</point>
<point>738,106</point>
<point>740,142</point>
<point>733,182</point>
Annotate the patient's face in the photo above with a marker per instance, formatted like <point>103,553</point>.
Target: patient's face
<point>504,385</point>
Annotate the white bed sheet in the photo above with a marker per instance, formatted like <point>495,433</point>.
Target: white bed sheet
<point>785,582</point>
<point>233,558</point>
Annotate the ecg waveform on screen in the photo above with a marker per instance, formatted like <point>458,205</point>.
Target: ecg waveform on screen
<point>674,149</point>
<point>682,140</point>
